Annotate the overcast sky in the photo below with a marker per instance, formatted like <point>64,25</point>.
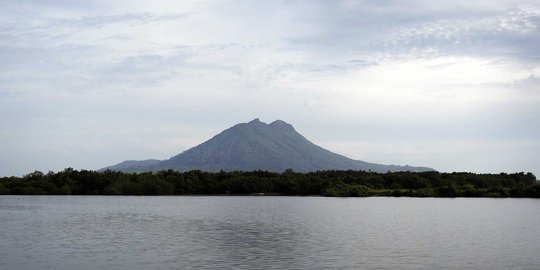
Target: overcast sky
<point>453,85</point>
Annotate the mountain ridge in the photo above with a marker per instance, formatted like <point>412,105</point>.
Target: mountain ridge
<point>258,146</point>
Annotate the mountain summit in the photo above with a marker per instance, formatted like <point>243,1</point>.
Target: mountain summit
<point>258,146</point>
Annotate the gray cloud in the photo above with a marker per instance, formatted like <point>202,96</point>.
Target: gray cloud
<point>99,78</point>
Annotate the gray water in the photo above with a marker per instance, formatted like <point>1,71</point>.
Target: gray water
<point>78,232</point>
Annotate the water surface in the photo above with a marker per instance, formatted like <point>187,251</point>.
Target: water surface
<point>95,232</point>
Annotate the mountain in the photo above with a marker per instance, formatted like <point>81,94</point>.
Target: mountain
<point>258,146</point>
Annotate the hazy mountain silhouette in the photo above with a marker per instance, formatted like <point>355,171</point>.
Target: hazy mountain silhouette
<point>258,146</point>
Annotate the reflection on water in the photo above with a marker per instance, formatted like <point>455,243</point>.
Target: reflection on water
<point>55,232</point>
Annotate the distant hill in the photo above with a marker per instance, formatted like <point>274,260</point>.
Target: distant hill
<point>133,164</point>
<point>255,145</point>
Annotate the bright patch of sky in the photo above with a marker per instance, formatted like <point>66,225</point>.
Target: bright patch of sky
<point>453,85</point>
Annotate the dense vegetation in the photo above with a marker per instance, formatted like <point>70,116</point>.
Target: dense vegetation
<point>326,183</point>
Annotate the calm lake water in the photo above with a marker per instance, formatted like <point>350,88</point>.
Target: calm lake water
<point>87,232</point>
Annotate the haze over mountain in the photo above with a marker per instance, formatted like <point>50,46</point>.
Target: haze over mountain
<point>258,146</point>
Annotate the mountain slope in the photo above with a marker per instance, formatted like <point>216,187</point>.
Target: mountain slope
<point>259,146</point>
<point>132,165</point>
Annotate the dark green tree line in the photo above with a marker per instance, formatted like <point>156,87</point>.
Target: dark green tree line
<point>326,183</point>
